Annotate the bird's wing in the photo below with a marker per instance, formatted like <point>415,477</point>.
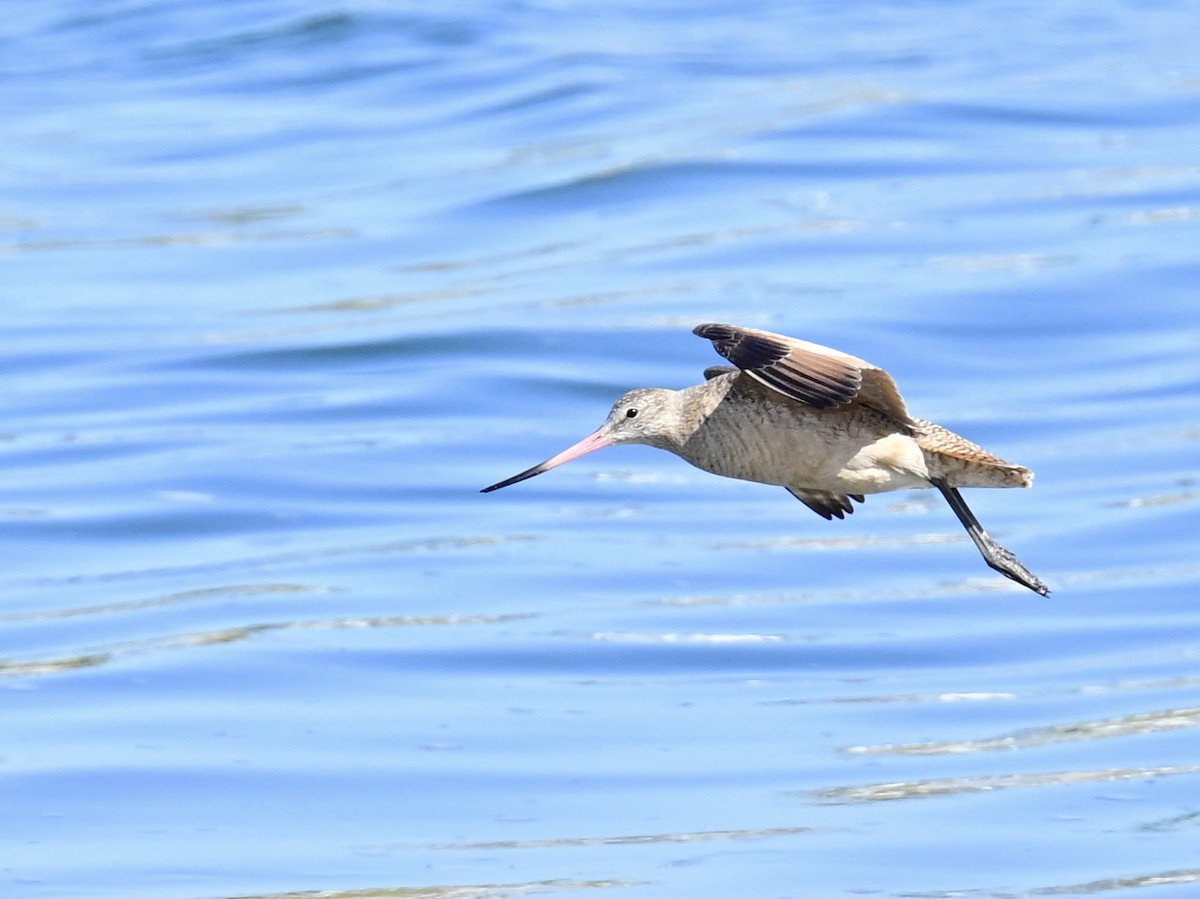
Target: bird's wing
<point>815,375</point>
<point>827,505</point>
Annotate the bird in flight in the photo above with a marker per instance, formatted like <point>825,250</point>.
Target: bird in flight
<point>827,426</point>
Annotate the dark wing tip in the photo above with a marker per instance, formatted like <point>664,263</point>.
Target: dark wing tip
<point>820,380</point>
<point>745,349</point>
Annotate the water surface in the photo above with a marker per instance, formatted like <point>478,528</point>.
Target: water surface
<point>287,283</point>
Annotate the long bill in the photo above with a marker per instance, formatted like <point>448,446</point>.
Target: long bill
<point>588,444</point>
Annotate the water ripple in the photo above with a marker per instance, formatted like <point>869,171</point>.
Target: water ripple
<point>986,783</point>
<point>1126,725</point>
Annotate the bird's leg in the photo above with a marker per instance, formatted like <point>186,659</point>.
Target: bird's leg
<point>997,556</point>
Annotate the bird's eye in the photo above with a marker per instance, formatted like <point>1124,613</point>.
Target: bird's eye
<point>631,413</point>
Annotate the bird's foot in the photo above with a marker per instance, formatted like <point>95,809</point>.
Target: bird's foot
<point>1005,561</point>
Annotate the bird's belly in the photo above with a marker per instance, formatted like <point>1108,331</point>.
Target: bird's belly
<point>832,452</point>
<point>891,462</point>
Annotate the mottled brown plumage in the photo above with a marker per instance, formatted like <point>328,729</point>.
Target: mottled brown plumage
<point>828,426</point>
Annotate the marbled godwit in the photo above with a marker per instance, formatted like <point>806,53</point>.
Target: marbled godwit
<point>827,426</point>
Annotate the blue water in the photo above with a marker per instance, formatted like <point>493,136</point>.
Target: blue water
<point>284,284</point>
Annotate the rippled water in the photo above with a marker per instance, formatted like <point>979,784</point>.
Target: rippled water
<point>286,283</point>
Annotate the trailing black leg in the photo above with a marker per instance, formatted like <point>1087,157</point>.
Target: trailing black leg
<point>997,556</point>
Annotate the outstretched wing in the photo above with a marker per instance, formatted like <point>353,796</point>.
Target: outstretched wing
<point>815,375</point>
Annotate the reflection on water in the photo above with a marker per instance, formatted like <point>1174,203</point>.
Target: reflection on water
<point>458,891</point>
<point>721,835</point>
<point>1143,723</point>
<point>1157,879</point>
<point>104,655</point>
<point>921,789</point>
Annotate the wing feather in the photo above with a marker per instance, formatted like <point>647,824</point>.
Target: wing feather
<point>827,505</point>
<point>817,376</point>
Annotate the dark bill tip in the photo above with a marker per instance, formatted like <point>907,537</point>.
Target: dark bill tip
<point>517,478</point>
